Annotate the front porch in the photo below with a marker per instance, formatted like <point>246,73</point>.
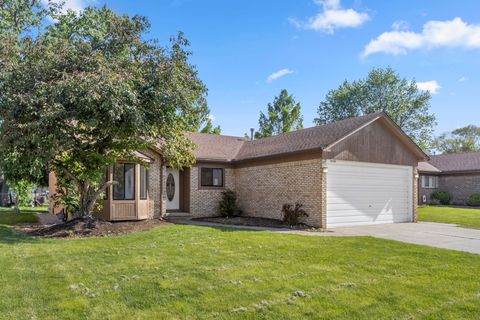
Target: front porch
<point>145,192</point>
<point>129,199</point>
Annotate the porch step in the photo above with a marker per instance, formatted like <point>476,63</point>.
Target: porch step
<point>177,214</point>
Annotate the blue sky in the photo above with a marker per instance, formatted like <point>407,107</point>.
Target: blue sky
<point>309,47</point>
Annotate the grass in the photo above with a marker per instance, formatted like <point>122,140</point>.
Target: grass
<point>27,215</point>
<point>465,217</point>
<point>187,272</point>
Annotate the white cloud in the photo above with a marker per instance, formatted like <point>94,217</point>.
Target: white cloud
<point>435,34</point>
<point>75,5</point>
<point>400,25</point>
<point>463,79</point>
<point>332,17</point>
<point>211,117</point>
<point>278,74</point>
<point>431,86</point>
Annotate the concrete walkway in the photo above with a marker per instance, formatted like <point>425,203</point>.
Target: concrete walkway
<point>439,235</point>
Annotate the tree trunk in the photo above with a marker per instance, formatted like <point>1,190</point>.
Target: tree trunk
<point>89,196</point>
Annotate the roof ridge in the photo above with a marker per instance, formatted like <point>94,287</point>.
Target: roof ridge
<point>453,154</point>
<point>373,114</point>
<point>219,135</point>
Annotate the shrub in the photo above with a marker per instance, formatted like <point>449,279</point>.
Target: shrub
<point>291,213</point>
<point>474,200</point>
<point>442,196</point>
<point>228,204</point>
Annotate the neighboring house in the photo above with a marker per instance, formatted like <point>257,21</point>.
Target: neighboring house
<point>457,173</point>
<point>356,171</point>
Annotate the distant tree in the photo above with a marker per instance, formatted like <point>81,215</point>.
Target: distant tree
<point>382,90</point>
<point>464,139</point>
<point>82,93</point>
<point>200,121</point>
<point>282,116</point>
<point>23,192</point>
<point>209,128</point>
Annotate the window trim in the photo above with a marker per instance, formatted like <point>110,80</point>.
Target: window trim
<point>432,182</point>
<point>124,185</point>
<point>200,186</point>
<point>146,182</point>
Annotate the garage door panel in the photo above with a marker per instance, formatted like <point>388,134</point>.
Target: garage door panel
<point>365,212</point>
<point>373,195</point>
<point>365,193</point>
<point>367,207</point>
<point>346,193</point>
<point>373,219</point>
<point>367,222</point>
<point>372,171</point>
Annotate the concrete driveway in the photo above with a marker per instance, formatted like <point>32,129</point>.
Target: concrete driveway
<point>440,235</point>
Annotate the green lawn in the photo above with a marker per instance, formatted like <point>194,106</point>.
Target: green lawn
<point>465,217</point>
<point>27,215</point>
<point>187,272</point>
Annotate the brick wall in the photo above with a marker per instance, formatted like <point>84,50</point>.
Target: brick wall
<point>460,187</point>
<point>262,190</point>
<point>204,201</point>
<point>427,192</point>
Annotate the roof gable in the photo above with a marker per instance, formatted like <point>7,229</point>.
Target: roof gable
<point>232,149</point>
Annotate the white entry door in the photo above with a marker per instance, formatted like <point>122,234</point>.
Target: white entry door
<point>173,189</point>
<point>360,193</point>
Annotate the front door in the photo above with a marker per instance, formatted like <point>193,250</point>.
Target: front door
<point>173,189</point>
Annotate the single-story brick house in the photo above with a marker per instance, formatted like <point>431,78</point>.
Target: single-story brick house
<point>357,171</point>
<point>457,173</point>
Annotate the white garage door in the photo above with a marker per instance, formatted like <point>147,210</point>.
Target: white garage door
<point>361,193</point>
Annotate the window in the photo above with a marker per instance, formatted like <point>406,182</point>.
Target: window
<point>124,175</point>
<point>143,183</point>
<point>211,177</point>
<point>429,182</point>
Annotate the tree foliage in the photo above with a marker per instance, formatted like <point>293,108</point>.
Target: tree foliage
<point>209,128</point>
<point>23,191</point>
<point>464,139</point>
<point>282,116</point>
<point>382,90</point>
<point>88,90</point>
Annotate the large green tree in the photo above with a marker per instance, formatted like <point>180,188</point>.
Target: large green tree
<point>88,90</point>
<point>382,90</point>
<point>283,115</point>
<point>464,139</point>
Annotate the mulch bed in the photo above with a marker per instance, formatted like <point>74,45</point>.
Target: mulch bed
<point>85,227</point>
<point>253,222</point>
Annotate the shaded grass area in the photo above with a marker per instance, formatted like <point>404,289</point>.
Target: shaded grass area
<point>464,217</point>
<point>188,272</point>
<point>8,216</point>
<point>24,209</point>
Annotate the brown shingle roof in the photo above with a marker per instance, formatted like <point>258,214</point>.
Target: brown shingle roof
<point>317,137</point>
<point>216,147</point>
<point>455,162</point>
<point>227,148</point>
<point>427,167</point>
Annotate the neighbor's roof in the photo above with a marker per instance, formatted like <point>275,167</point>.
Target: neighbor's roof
<point>427,167</point>
<point>455,162</point>
<point>225,148</point>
